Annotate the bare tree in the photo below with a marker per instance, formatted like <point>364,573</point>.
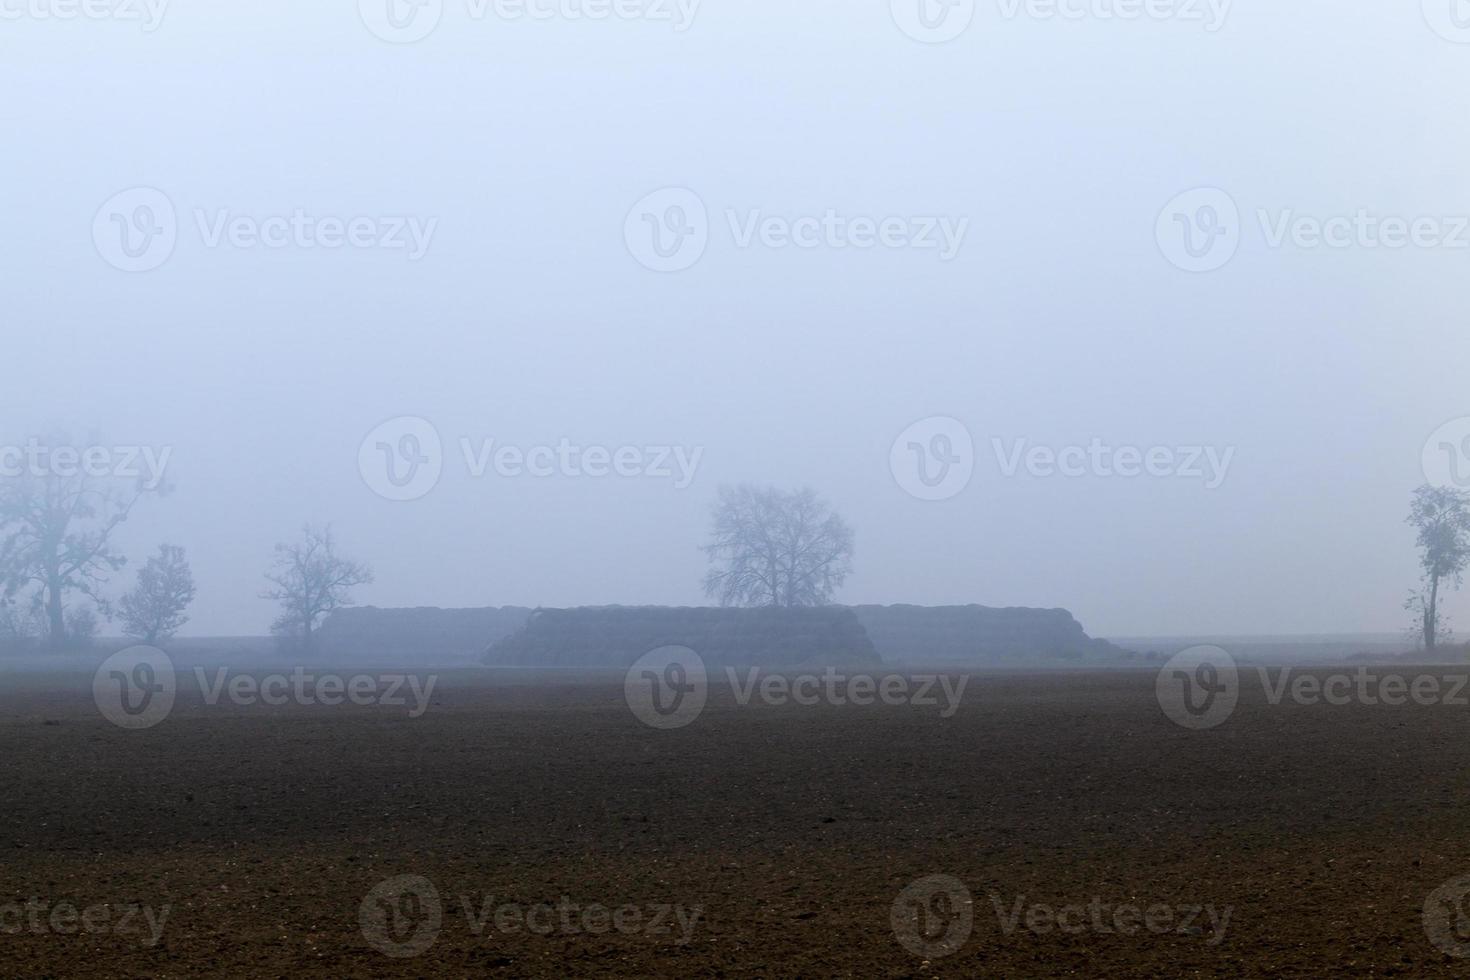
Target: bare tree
<point>155,609</point>
<point>772,547</point>
<point>56,539</point>
<point>1442,517</point>
<point>310,580</point>
<point>20,625</point>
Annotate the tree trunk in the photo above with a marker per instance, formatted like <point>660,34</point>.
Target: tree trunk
<point>1431,615</point>
<point>55,616</point>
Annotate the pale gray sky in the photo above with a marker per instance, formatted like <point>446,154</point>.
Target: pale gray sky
<point>1050,145</point>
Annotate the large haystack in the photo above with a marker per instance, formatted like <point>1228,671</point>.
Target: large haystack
<point>978,635</point>
<point>616,636</point>
<point>425,633</point>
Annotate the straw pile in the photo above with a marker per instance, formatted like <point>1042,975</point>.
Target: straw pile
<point>445,635</point>
<point>978,635</point>
<point>616,636</point>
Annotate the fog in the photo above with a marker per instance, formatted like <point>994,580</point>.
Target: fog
<point>508,157</point>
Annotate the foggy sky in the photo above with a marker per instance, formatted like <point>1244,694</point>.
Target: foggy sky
<point>528,321</point>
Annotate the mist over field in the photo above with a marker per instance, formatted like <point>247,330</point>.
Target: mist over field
<point>494,292</point>
<point>581,488</point>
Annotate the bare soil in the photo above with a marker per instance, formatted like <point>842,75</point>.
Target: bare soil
<point>791,829</point>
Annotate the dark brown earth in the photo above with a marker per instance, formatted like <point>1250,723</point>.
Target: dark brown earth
<point>793,829</point>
